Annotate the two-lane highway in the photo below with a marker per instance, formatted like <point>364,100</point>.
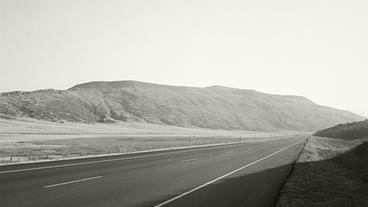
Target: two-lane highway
<point>247,174</point>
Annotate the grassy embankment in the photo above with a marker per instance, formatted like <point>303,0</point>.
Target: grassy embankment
<point>331,171</point>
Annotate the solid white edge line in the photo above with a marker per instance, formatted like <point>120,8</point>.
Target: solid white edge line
<point>107,160</point>
<point>223,176</point>
<point>73,181</point>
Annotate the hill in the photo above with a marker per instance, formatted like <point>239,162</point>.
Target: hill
<point>215,107</point>
<point>354,130</point>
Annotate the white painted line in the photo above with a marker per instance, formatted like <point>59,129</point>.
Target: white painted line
<point>223,176</point>
<point>228,152</point>
<point>73,181</point>
<point>189,160</point>
<point>102,161</point>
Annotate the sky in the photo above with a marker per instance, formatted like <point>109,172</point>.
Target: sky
<point>312,48</point>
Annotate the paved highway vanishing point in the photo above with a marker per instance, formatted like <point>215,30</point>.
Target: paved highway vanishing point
<point>248,174</point>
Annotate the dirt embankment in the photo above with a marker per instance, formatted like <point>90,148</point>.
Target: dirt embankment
<point>329,172</point>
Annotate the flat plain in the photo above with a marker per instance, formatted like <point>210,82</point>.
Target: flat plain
<point>33,140</point>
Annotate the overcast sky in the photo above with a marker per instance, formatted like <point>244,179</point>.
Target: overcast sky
<point>312,48</point>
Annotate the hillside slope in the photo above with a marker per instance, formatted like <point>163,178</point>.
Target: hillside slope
<point>354,130</point>
<point>329,172</point>
<point>214,107</point>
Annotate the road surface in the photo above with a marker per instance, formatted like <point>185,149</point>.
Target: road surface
<point>248,174</point>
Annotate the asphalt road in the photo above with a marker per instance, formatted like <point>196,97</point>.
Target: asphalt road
<point>249,174</point>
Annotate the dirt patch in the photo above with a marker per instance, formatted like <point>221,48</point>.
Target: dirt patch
<point>318,148</point>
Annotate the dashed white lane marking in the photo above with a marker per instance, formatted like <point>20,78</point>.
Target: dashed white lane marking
<point>189,160</point>
<point>223,176</point>
<point>73,181</point>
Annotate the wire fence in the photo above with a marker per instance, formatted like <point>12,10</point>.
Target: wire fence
<point>67,153</point>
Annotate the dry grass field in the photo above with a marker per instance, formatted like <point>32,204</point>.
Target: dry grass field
<point>30,140</point>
